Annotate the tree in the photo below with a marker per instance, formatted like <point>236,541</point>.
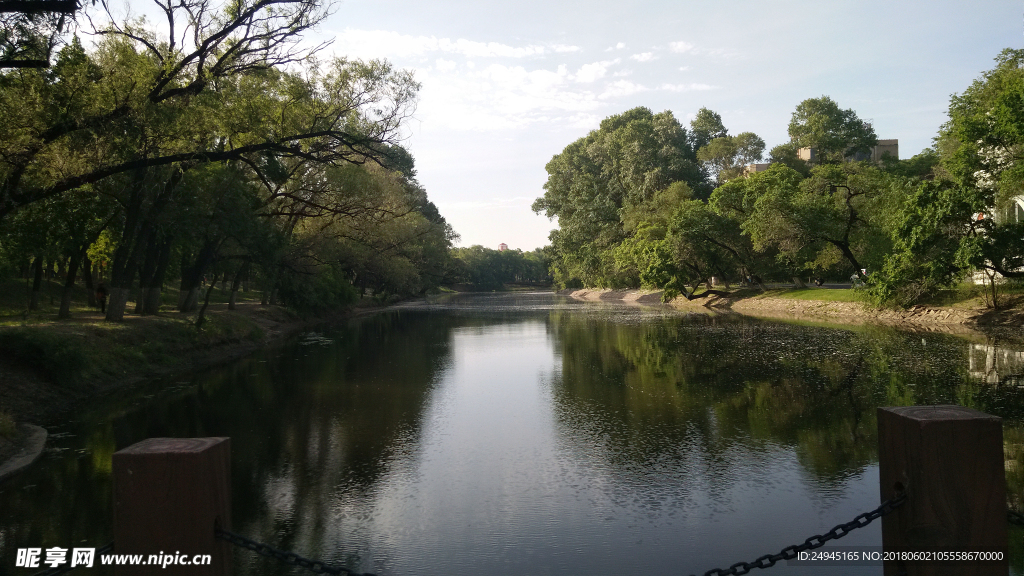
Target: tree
<point>597,180</point>
<point>839,213</point>
<point>966,220</point>
<point>29,31</point>
<point>146,102</point>
<point>937,240</point>
<point>727,156</point>
<point>705,127</point>
<point>836,134</point>
<point>786,154</point>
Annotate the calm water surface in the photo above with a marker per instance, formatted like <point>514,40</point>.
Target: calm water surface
<point>520,434</point>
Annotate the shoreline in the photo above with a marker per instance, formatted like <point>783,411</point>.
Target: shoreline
<point>36,399</point>
<point>32,396</point>
<point>967,320</point>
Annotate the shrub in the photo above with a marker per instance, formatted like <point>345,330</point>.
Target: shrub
<point>60,357</point>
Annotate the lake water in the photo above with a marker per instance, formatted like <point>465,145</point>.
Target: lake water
<point>527,434</point>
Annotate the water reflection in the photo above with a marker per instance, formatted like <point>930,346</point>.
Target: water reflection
<point>526,434</point>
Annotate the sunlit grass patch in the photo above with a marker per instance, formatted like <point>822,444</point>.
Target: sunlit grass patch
<point>823,294</point>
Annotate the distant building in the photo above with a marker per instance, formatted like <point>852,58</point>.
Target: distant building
<point>891,146</point>
<point>502,247</point>
<point>755,168</point>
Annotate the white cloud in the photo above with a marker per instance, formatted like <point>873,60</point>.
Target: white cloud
<point>444,65</point>
<point>680,46</point>
<point>500,97</point>
<point>687,87</point>
<point>618,46</point>
<point>377,43</point>
<point>621,88</point>
<point>643,56</point>
<point>594,71</point>
<point>684,68</point>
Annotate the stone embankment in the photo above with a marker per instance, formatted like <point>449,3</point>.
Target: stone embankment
<point>751,303</point>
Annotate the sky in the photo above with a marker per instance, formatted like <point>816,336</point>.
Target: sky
<point>507,85</point>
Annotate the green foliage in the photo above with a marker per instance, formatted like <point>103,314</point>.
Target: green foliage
<point>967,219</point>
<point>841,212</point>
<point>599,184</point>
<point>488,269</point>
<point>705,127</point>
<point>60,358</point>
<point>835,133</point>
<point>937,241</point>
<point>726,156</point>
<point>325,290</point>
<point>786,154</point>
<point>922,165</point>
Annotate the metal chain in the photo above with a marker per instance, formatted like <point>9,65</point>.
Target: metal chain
<point>817,541</point>
<point>290,558</point>
<point>766,561</point>
<point>1015,517</point>
<point>58,570</point>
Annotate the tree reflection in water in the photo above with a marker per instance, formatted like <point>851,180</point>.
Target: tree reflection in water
<point>654,426</point>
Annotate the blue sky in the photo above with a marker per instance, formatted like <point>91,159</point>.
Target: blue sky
<point>508,85</point>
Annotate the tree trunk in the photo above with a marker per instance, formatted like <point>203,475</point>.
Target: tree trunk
<point>156,286</point>
<point>133,237</point>
<point>138,229</point>
<point>146,273</point>
<point>242,270</point>
<point>192,277</point>
<point>206,303</point>
<point>87,276</point>
<point>69,287</point>
<point>37,283</point>
<point>799,283</point>
<point>116,302</point>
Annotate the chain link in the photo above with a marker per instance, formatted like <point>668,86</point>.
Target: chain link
<point>290,558</point>
<point>58,570</point>
<point>766,561</point>
<point>816,541</point>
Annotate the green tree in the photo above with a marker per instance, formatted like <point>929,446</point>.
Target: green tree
<point>142,102</point>
<point>967,219</point>
<point>727,156</point>
<point>836,134</point>
<point>599,180</point>
<point>705,127</point>
<point>840,213</point>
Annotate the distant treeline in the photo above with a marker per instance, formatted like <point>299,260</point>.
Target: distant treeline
<point>480,268</point>
<point>644,202</point>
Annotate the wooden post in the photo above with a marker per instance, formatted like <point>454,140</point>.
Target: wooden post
<point>169,495</point>
<point>949,461</point>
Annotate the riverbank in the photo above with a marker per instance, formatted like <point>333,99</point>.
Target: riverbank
<point>969,316</point>
<point>48,368</point>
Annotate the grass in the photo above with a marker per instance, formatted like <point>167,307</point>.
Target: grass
<point>822,294</point>
<point>85,348</point>
<point>15,295</point>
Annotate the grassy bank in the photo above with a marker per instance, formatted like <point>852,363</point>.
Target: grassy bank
<point>49,365</point>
